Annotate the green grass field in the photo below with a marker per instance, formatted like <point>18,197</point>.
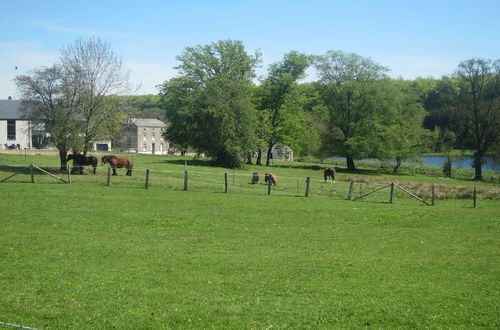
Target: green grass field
<point>85,255</point>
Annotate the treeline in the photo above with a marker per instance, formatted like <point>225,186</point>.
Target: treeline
<point>216,105</point>
<point>354,110</point>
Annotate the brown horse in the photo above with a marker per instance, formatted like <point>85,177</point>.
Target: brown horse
<point>116,162</point>
<point>329,173</point>
<point>270,177</point>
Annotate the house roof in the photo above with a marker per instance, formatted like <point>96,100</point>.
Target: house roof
<point>147,122</point>
<point>10,109</point>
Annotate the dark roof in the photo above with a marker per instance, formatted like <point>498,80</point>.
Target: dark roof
<point>147,122</point>
<point>10,109</point>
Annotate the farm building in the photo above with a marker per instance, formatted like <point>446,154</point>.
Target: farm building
<point>15,132</point>
<point>144,136</point>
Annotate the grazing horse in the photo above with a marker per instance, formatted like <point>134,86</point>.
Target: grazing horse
<point>80,161</point>
<point>329,173</point>
<point>116,162</point>
<point>270,177</point>
<point>255,178</point>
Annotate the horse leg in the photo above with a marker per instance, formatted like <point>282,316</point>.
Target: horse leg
<point>114,171</point>
<point>95,167</point>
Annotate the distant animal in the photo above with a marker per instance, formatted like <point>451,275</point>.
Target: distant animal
<point>80,161</point>
<point>255,178</point>
<point>329,172</point>
<point>270,177</point>
<point>116,162</point>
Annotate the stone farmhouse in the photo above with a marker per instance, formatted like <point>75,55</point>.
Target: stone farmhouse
<point>145,136</point>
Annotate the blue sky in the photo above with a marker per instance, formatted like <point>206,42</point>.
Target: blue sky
<point>412,38</point>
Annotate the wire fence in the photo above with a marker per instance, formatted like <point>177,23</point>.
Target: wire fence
<point>232,182</point>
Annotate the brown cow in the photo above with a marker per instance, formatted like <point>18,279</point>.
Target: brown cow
<point>270,177</point>
<point>329,173</point>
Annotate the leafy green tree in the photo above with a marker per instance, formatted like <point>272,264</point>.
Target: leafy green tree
<point>478,106</point>
<point>401,134</point>
<point>279,115</point>
<point>346,86</point>
<point>208,107</point>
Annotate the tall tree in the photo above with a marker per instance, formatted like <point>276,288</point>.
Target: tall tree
<point>209,105</point>
<point>48,99</point>
<point>97,72</point>
<point>70,98</point>
<point>400,132</point>
<point>345,81</point>
<point>281,119</point>
<point>478,106</point>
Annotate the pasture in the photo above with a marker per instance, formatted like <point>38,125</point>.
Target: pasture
<point>87,255</point>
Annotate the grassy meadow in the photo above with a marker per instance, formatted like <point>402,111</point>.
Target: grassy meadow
<point>85,255</point>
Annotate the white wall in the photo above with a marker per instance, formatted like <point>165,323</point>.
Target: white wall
<point>23,134</point>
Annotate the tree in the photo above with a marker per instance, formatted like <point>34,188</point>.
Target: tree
<point>346,86</point>
<point>401,135</point>
<point>96,72</point>
<point>280,117</point>
<point>71,98</point>
<point>48,99</point>
<point>478,106</point>
<point>209,105</point>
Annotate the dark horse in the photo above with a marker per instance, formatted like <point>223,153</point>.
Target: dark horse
<point>80,161</point>
<point>329,173</point>
<point>116,162</point>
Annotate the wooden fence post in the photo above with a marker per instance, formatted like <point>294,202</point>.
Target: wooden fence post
<point>351,188</point>
<point>32,174</point>
<point>185,180</point>
<point>433,194</point>
<point>108,180</point>
<point>225,183</point>
<point>269,186</point>
<point>474,196</point>
<point>68,169</point>
<point>392,193</point>
<point>147,179</point>
<point>308,180</point>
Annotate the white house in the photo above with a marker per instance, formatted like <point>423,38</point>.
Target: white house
<point>15,132</point>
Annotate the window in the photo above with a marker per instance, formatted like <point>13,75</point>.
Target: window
<point>11,129</point>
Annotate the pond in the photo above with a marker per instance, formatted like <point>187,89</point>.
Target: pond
<point>457,161</point>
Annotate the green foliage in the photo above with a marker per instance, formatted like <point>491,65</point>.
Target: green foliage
<point>347,89</point>
<point>208,106</point>
<point>280,116</point>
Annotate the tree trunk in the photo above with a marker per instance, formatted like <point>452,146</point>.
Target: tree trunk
<point>249,159</point>
<point>350,164</point>
<point>259,157</point>
<point>63,156</point>
<point>397,166</point>
<point>478,162</point>
<point>269,153</point>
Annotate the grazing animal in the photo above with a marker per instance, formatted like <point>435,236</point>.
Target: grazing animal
<point>116,162</point>
<point>80,161</point>
<point>255,178</point>
<point>329,173</point>
<point>270,177</point>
